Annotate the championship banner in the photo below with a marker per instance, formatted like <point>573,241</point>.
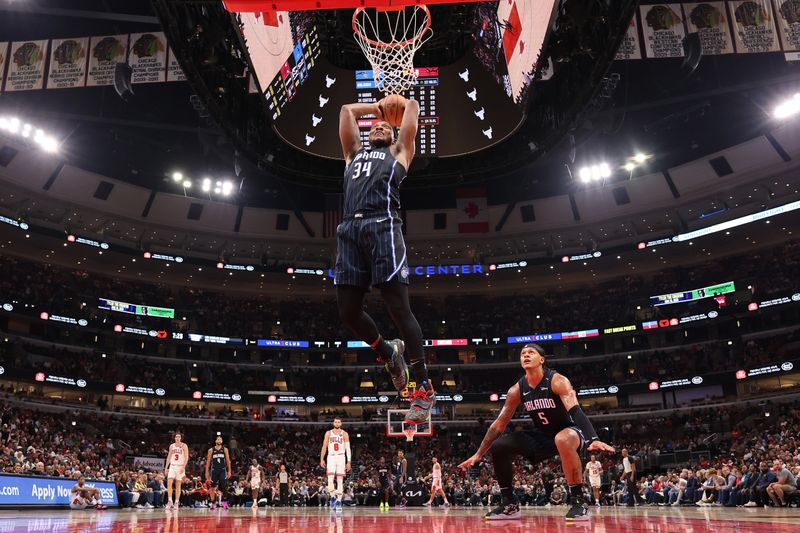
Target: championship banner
<point>663,30</point>
<point>630,48</point>
<point>148,57</point>
<point>753,26</point>
<point>26,66</point>
<point>788,19</point>
<point>105,52</point>
<point>710,21</point>
<point>155,464</point>
<point>68,59</point>
<point>174,71</point>
<point>3,56</point>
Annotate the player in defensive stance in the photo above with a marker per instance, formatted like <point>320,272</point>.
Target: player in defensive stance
<point>337,445</point>
<point>254,479</point>
<point>83,496</point>
<point>218,461</point>
<point>370,249</point>
<point>561,428</point>
<point>436,484</point>
<point>177,457</point>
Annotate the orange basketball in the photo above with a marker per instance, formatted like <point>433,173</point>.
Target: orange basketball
<point>392,108</point>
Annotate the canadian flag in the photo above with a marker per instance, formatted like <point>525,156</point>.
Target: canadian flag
<point>473,215</point>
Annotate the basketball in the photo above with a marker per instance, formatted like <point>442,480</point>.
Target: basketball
<point>392,108</point>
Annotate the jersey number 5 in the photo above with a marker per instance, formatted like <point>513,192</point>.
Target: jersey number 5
<point>360,167</point>
<point>543,418</point>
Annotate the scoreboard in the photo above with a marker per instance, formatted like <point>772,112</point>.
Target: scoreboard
<point>423,92</point>
<point>695,294</point>
<point>292,74</point>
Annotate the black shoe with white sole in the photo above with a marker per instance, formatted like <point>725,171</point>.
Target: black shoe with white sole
<point>578,512</point>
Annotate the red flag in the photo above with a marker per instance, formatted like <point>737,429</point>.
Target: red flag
<point>473,214</point>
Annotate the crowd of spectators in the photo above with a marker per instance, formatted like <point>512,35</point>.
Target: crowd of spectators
<point>75,293</point>
<point>731,456</point>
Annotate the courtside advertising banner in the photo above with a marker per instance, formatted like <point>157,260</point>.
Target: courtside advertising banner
<point>710,21</point>
<point>787,17</point>
<point>662,25</point>
<point>754,26</point>
<point>105,52</point>
<point>629,48</point>
<point>26,66</point>
<point>47,491</point>
<point>67,63</point>
<point>148,57</point>
<point>149,463</point>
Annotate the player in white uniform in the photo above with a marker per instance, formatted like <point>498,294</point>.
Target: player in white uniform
<point>83,496</point>
<point>594,469</point>
<point>254,478</point>
<point>337,445</point>
<point>436,484</point>
<point>177,457</point>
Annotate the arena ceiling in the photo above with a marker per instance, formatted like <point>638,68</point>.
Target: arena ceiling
<point>658,107</point>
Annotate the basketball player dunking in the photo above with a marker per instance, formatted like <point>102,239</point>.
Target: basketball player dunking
<point>370,249</point>
<point>177,457</point>
<point>436,484</point>
<point>218,463</point>
<point>561,428</point>
<point>337,446</point>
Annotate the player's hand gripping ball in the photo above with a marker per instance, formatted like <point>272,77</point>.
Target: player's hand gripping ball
<point>392,108</point>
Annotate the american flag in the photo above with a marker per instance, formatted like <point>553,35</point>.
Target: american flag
<point>332,216</point>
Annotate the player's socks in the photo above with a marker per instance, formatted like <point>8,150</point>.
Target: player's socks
<point>383,348</point>
<point>508,494</point>
<point>419,370</point>
<point>576,491</point>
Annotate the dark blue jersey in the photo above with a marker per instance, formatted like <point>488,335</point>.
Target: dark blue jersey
<point>372,182</point>
<point>218,459</point>
<point>544,406</point>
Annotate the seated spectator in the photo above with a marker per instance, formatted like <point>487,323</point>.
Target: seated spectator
<point>786,484</point>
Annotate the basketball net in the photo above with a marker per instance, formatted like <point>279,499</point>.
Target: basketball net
<point>410,431</point>
<point>389,40</point>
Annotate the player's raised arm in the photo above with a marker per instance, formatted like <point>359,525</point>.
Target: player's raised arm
<point>408,132</point>
<point>561,386</point>
<point>513,399</point>
<point>324,449</point>
<point>348,127</point>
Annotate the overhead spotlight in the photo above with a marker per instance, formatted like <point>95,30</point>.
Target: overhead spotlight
<point>177,177</point>
<point>206,185</point>
<point>629,166</point>
<point>788,108</point>
<point>187,184</point>
<point>217,190</point>
<point>26,130</point>
<point>640,158</point>
<point>585,174</point>
<point>605,170</point>
<point>227,188</point>
<point>49,144</point>
<point>13,125</point>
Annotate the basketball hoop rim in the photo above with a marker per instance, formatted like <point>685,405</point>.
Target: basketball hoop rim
<point>406,42</point>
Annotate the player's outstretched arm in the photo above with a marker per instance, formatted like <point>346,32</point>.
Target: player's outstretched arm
<point>561,386</point>
<point>348,127</point>
<point>408,132</point>
<point>513,399</point>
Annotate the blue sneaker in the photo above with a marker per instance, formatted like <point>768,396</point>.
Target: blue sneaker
<point>332,503</point>
<point>339,506</point>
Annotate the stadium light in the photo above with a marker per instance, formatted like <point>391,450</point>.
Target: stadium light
<point>187,184</point>
<point>585,174</point>
<point>788,108</point>
<point>640,158</point>
<point>177,177</point>
<point>597,172</point>
<point>629,166</point>
<point>206,185</point>
<point>227,188</point>
<point>26,130</point>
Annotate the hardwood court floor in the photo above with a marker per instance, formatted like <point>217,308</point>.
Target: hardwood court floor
<point>411,520</point>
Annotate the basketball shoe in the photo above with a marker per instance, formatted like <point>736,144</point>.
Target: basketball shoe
<point>577,512</point>
<point>422,401</point>
<point>509,511</point>
<point>397,367</point>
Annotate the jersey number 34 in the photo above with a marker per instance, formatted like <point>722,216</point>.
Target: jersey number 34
<point>361,167</point>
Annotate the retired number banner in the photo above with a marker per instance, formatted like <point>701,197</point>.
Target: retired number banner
<point>663,30</point>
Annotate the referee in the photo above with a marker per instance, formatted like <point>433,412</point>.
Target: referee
<point>370,250</point>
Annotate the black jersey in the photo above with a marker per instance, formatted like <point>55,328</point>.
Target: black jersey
<point>372,182</point>
<point>398,468</point>
<point>383,477</point>
<point>544,406</point>
<point>218,459</point>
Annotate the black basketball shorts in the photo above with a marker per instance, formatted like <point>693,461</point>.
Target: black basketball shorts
<point>535,445</point>
<point>219,479</point>
<point>370,251</point>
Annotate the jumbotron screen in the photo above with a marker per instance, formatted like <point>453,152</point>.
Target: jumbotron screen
<point>465,107</point>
